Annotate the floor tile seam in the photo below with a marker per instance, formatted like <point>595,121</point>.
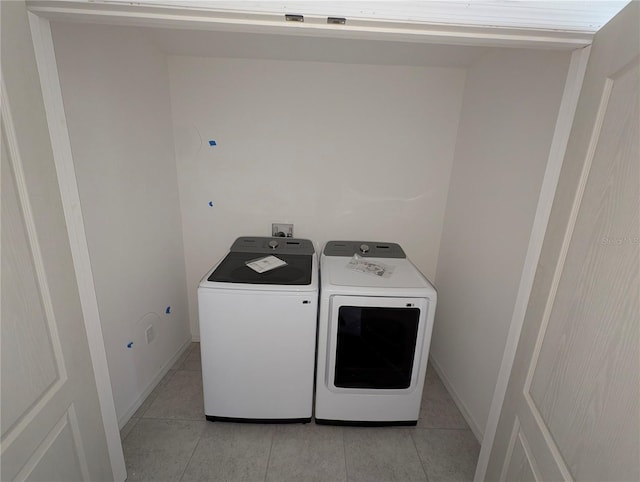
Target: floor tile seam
<point>344,453</point>
<point>415,446</point>
<point>451,429</point>
<point>266,471</point>
<point>416,427</point>
<point>168,419</point>
<point>438,428</point>
<point>191,456</point>
<point>444,399</point>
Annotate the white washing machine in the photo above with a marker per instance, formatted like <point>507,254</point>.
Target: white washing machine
<point>258,332</point>
<point>374,331</point>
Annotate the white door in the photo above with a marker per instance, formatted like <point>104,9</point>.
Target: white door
<point>571,410</point>
<point>52,428</point>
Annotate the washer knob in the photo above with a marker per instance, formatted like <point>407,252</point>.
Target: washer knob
<point>364,248</point>
<point>273,244</point>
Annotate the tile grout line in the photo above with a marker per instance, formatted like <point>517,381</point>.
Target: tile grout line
<point>191,456</point>
<point>344,453</point>
<point>424,470</point>
<point>168,419</point>
<point>266,471</point>
<point>459,429</point>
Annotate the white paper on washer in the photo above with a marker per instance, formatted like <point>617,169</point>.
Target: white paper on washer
<point>261,265</point>
<point>358,263</point>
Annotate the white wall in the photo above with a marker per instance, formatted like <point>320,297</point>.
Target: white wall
<point>343,151</point>
<point>508,117</point>
<point>115,87</point>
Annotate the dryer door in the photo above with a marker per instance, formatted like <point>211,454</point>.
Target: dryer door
<point>375,343</point>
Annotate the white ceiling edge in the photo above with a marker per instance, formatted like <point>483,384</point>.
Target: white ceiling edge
<point>586,16</point>
<point>392,21</point>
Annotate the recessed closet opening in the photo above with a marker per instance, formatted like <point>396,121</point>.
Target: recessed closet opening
<point>183,140</point>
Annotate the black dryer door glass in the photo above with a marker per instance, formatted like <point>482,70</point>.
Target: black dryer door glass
<point>375,347</point>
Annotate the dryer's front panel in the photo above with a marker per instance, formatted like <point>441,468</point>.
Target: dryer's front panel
<point>375,344</point>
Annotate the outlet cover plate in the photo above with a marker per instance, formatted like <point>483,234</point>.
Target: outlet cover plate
<point>282,230</point>
<point>150,334</point>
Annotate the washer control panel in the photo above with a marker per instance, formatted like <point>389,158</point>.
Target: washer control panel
<point>256,244</point>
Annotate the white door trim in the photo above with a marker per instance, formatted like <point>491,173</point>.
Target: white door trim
<point>61,146</point>
<point>573,85</point>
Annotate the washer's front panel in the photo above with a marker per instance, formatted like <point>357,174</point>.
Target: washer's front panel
<point>258,350</point>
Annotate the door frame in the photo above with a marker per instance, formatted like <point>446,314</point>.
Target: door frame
<point>568,105</point>
<point>61,147</point>
<point>40,15</point>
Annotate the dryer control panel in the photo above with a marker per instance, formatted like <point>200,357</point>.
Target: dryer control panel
<point>369,249</point>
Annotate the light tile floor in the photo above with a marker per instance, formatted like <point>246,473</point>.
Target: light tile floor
<point>169,439</point>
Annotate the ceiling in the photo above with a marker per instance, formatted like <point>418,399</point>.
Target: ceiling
<point>450,33</point>
<point>558,15</point>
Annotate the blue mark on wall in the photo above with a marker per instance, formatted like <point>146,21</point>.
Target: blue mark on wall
<point>130,344</point>
<point>168,310</point>
<point>210,204</point>
<point>212,142</point>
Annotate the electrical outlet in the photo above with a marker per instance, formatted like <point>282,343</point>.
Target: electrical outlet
<point>150,334</point>
<point>282,230</point>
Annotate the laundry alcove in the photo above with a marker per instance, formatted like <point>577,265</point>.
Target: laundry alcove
<point>184,139</point>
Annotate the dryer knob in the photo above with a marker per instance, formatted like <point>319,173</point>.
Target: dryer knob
<point>364,248</point>
<point>273,244</point>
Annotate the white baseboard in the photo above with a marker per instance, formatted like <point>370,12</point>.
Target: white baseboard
<point>473,425</point>
<point>122,421</point>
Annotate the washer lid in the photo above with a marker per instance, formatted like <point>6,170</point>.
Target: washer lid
<point>233,269</point>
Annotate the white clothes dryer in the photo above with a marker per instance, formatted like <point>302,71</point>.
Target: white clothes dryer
<point>258,332</point>
<point>374,331</point>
